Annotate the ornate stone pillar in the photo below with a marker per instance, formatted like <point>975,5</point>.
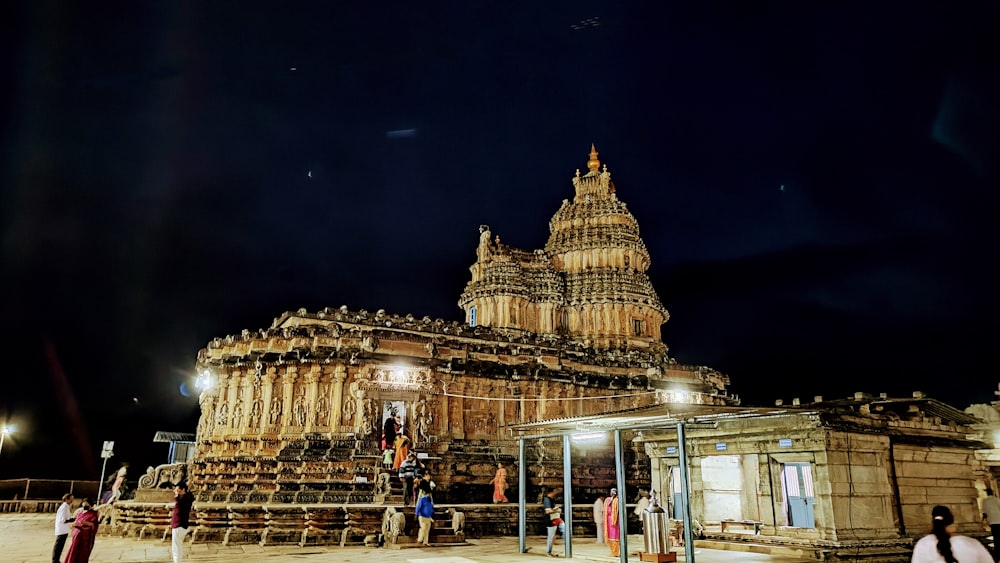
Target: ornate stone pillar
<point>312,395</point>
<point>339,375</point>
<point>287,395</point>
<point>267,385</point>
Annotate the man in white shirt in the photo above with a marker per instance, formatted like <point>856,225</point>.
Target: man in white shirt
<point>991,513</point>
<point>64,517</point>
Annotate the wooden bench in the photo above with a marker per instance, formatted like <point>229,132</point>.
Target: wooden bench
<point>745,524</point>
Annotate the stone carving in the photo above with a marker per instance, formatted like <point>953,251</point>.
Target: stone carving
<point>457,523</point>
<point>255,413</point>
<point>165,476</point>
<point>393,525</point>
<point>350,407</point>
<point>274,415</point>
<point>237,413</point>
<point>299,410</point>
<point>423,418</point>
<point>382,484</point>
<point>223,416</point>
<point>323,408</point>
<point>483,251</point>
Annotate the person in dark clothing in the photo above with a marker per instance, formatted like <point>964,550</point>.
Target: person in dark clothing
<point>389,433</point>
<point>180,520</point>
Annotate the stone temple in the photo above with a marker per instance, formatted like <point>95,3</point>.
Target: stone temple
<point>287,446</point>
<point>294,412</point>
<point>291,414</point>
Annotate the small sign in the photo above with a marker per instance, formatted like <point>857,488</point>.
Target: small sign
<point>108,446</point>
<point>671,449</point>
<point>720,446</point>
<point>785,443</point>
<point>360,479</point>
<point>421,455</point>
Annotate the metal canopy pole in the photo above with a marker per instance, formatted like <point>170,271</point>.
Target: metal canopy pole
<point>522,485</point>
<point>567,497</point>
<point>622,509</point>
<point>685,494</point>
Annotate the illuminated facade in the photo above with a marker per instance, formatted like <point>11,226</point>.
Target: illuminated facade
<point>293,413</point>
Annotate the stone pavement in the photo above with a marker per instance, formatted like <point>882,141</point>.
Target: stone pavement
<point>28,538</point>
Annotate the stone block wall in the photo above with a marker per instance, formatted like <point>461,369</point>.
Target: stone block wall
<point>929,475</point>
<point>856,468</point>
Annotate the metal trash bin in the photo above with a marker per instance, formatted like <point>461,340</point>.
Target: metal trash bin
<point>655,530</point>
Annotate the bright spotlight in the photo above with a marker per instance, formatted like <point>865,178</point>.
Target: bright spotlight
<point>204,381</point>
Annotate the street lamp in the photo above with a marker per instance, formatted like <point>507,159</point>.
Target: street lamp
<point>3,434</point>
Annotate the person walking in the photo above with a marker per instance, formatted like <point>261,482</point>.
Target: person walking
<point>64,517</point>
<point>84,534</point>
<point>991,515</point>
<point>180,520</point>
<point>407,473</point>
<point>499,483</point>
<point>425,516</point>
<point>599,518</point>
<point>554,513</point>
<point>943,544</point>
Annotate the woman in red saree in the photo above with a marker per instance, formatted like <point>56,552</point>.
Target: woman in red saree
<point>84,532</point>
<point>500,484</point>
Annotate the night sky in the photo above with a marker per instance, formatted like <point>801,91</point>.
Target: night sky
<point>816,188</point>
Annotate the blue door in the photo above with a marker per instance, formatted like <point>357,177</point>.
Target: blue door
<point>798,483</point>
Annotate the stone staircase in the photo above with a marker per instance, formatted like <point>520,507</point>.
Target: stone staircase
<point>441,534</point>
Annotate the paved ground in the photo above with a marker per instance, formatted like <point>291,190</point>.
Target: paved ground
<point>28,538</point>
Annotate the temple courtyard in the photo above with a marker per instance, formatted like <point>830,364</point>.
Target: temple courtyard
<point>28,538</point>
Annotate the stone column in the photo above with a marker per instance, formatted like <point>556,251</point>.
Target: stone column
<point>442,414</point>
<point>337,404</point>
<point>288,395</point>
<point>455,418</point>
<point>312,395</point>
<point>267,393</point>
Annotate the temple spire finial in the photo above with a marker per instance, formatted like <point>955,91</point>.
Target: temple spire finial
<point>593,164</point>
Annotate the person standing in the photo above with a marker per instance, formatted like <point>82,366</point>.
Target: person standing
<point>84,533</point>
<point>942,544</point>
<point>612,527</point>
<point>64,517</point>
<point>991,514</point>
<point>554,513</point>
<point>425,515</point>
<point>499,483</point>
<point>180,520</point>
<point>116,488</point>
<point>599,518</point>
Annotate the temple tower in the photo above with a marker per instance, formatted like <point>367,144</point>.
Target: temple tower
<point>588,283</point>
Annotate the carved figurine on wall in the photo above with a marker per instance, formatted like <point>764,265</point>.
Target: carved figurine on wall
<point>223,416</point>
<point>275,417</point>
<point>322,411</point>
<point>237,413</point>
<point>350,407</point>
<point>299,410</point>
<point>255,414</point>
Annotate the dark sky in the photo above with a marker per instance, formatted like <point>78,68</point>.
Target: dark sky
<point>155,162</point>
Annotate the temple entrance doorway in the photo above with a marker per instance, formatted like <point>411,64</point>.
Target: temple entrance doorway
<point>797,482</point>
